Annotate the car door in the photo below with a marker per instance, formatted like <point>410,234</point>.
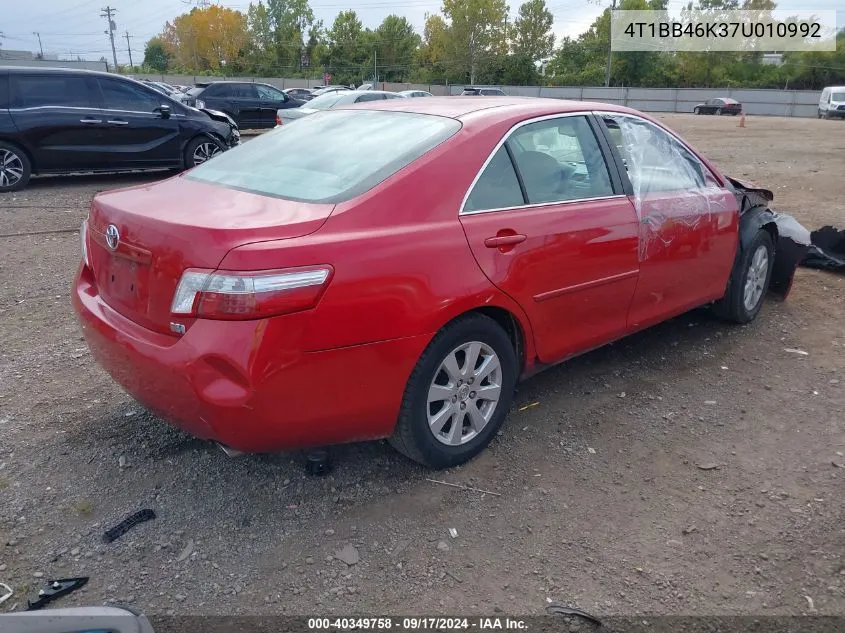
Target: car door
<point>58,118</point>
<point>549,224</point>
<point>273,100</point>
<point>136,134</point>
<point>688,221</point>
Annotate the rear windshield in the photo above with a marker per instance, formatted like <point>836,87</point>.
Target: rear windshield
<point>349,152</point>
<point>196,90</point>
<point>326,101</point>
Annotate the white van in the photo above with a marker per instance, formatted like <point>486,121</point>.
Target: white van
<point>832,102</point>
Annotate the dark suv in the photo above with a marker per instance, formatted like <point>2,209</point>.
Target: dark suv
<point>252,105</point>
<point>55,120</point>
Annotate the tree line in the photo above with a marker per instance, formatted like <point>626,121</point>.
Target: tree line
<point>467,41</point>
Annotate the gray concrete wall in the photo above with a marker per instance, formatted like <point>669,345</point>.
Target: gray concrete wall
<point>755,102</point>
<point>801,103</point>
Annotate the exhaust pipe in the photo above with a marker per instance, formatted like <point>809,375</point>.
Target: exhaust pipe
<point>230,452</point>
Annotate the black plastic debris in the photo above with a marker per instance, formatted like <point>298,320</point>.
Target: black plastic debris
<point>55,589</point>
<point>827,250</point>
<point>556,609</point>
<point>318,463</point>
<point>127,524</point>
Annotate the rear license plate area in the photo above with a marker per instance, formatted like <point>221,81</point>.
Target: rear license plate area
<point>126,283</point>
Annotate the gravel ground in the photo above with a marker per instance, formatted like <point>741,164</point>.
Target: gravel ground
<point>695,468</point>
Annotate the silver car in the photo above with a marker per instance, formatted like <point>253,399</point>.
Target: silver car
<point>332,100</point>
<point>415,93</point>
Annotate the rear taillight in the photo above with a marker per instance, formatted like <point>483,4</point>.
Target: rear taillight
<point>278,119</point>
<point>235,295</point>
<point>83,237</point>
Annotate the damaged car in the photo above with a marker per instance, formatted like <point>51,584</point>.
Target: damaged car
<point>59,120</point>
<point>398,279</point>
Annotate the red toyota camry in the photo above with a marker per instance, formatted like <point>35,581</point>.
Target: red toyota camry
<point>399,277</point>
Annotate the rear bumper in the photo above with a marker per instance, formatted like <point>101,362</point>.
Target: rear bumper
<point>244,383</point>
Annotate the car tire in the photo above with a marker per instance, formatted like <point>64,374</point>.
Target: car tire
<point>820,113</point>
<point>200,150</point>
<point>719,111</point>
<point>15,168</point>
<point>696,111</point>
<point>427,429</point>
<point>749,281</point>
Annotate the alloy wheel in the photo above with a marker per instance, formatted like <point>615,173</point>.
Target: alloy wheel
<point>755,280</point>
<point>204,151</point>
<point>464,393</point>
<point>11,168</point>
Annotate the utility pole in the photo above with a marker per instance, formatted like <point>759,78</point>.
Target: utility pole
<point>106,13</point>
<point>129,48</point>
<point>609,47</point>
<point>38,35</point>
<point>375,69</point>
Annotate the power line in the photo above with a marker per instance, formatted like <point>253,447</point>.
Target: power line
<point>106,13</point>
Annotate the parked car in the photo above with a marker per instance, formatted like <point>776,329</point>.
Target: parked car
<point>303,94</point>
<point>318,92</point>
<point>832,102</point>
<point>720,105</point>
<point>415,93</point>
<point>283,299</point>
<point>251,105</point>
<point>166,89</point>
<point>333,99</point>
<point>55,120</point>
<point>482,92</point>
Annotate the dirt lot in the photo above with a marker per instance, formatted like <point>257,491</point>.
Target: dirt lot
<point>603,500</point>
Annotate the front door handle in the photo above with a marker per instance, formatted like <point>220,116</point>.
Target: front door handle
<point>118,122</point>
<point>90,120</point>
<point>504,240</point>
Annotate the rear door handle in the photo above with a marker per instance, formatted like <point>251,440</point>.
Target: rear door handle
<point>118,122</point>
<point>90,120</point>
<point>504,240</point>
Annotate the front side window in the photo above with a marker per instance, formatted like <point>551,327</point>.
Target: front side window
<point>560,160</point>
<point>837,96</point>
<point>656,161</point>
<point>122,95</point>
<point>497,187</point>
<point>349,152</point>
<point>34,91</point>
<point>266,92</point>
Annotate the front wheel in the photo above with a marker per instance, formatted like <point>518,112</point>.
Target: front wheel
<point>697,111</point>
<point>458,394</point>
<point>719,111</point>
<point>200,150</point>
<point>749,281</point>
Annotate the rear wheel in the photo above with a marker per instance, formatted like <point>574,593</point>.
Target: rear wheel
<point>15,168</point>
<point>200,150</point>
<point>749,281</point>
<point>458,394</point>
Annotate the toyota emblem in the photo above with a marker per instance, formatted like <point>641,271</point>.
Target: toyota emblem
<point>112,237</point>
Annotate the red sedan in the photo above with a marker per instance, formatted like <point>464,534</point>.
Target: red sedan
<point>398,278</point>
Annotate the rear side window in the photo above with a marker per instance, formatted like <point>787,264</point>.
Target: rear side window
<point>349,152</point>
<point>45,90</point>
<point>370,97</point>
<point>232,91</point>
<point>497,187</point>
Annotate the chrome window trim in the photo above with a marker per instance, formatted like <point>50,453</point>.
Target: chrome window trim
<point>546,117</point>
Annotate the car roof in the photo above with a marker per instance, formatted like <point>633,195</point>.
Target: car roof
<point>492,107</point>
<point>58,69</point>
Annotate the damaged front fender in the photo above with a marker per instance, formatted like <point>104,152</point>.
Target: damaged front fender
<point>791,239</point>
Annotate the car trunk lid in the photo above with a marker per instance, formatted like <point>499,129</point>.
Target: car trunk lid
<point>141,239</point>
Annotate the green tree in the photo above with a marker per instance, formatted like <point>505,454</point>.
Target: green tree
<point>532,31</point>
<point>395,42</point>
<point>155,55</point>
<point>346,48</point>
<point>476,33</point>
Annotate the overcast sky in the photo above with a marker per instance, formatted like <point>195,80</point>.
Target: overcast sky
<point>75,26</point>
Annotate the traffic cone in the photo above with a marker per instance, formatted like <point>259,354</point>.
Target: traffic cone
<point>742,120</point>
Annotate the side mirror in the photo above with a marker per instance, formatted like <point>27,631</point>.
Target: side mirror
<point>164,111</point>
